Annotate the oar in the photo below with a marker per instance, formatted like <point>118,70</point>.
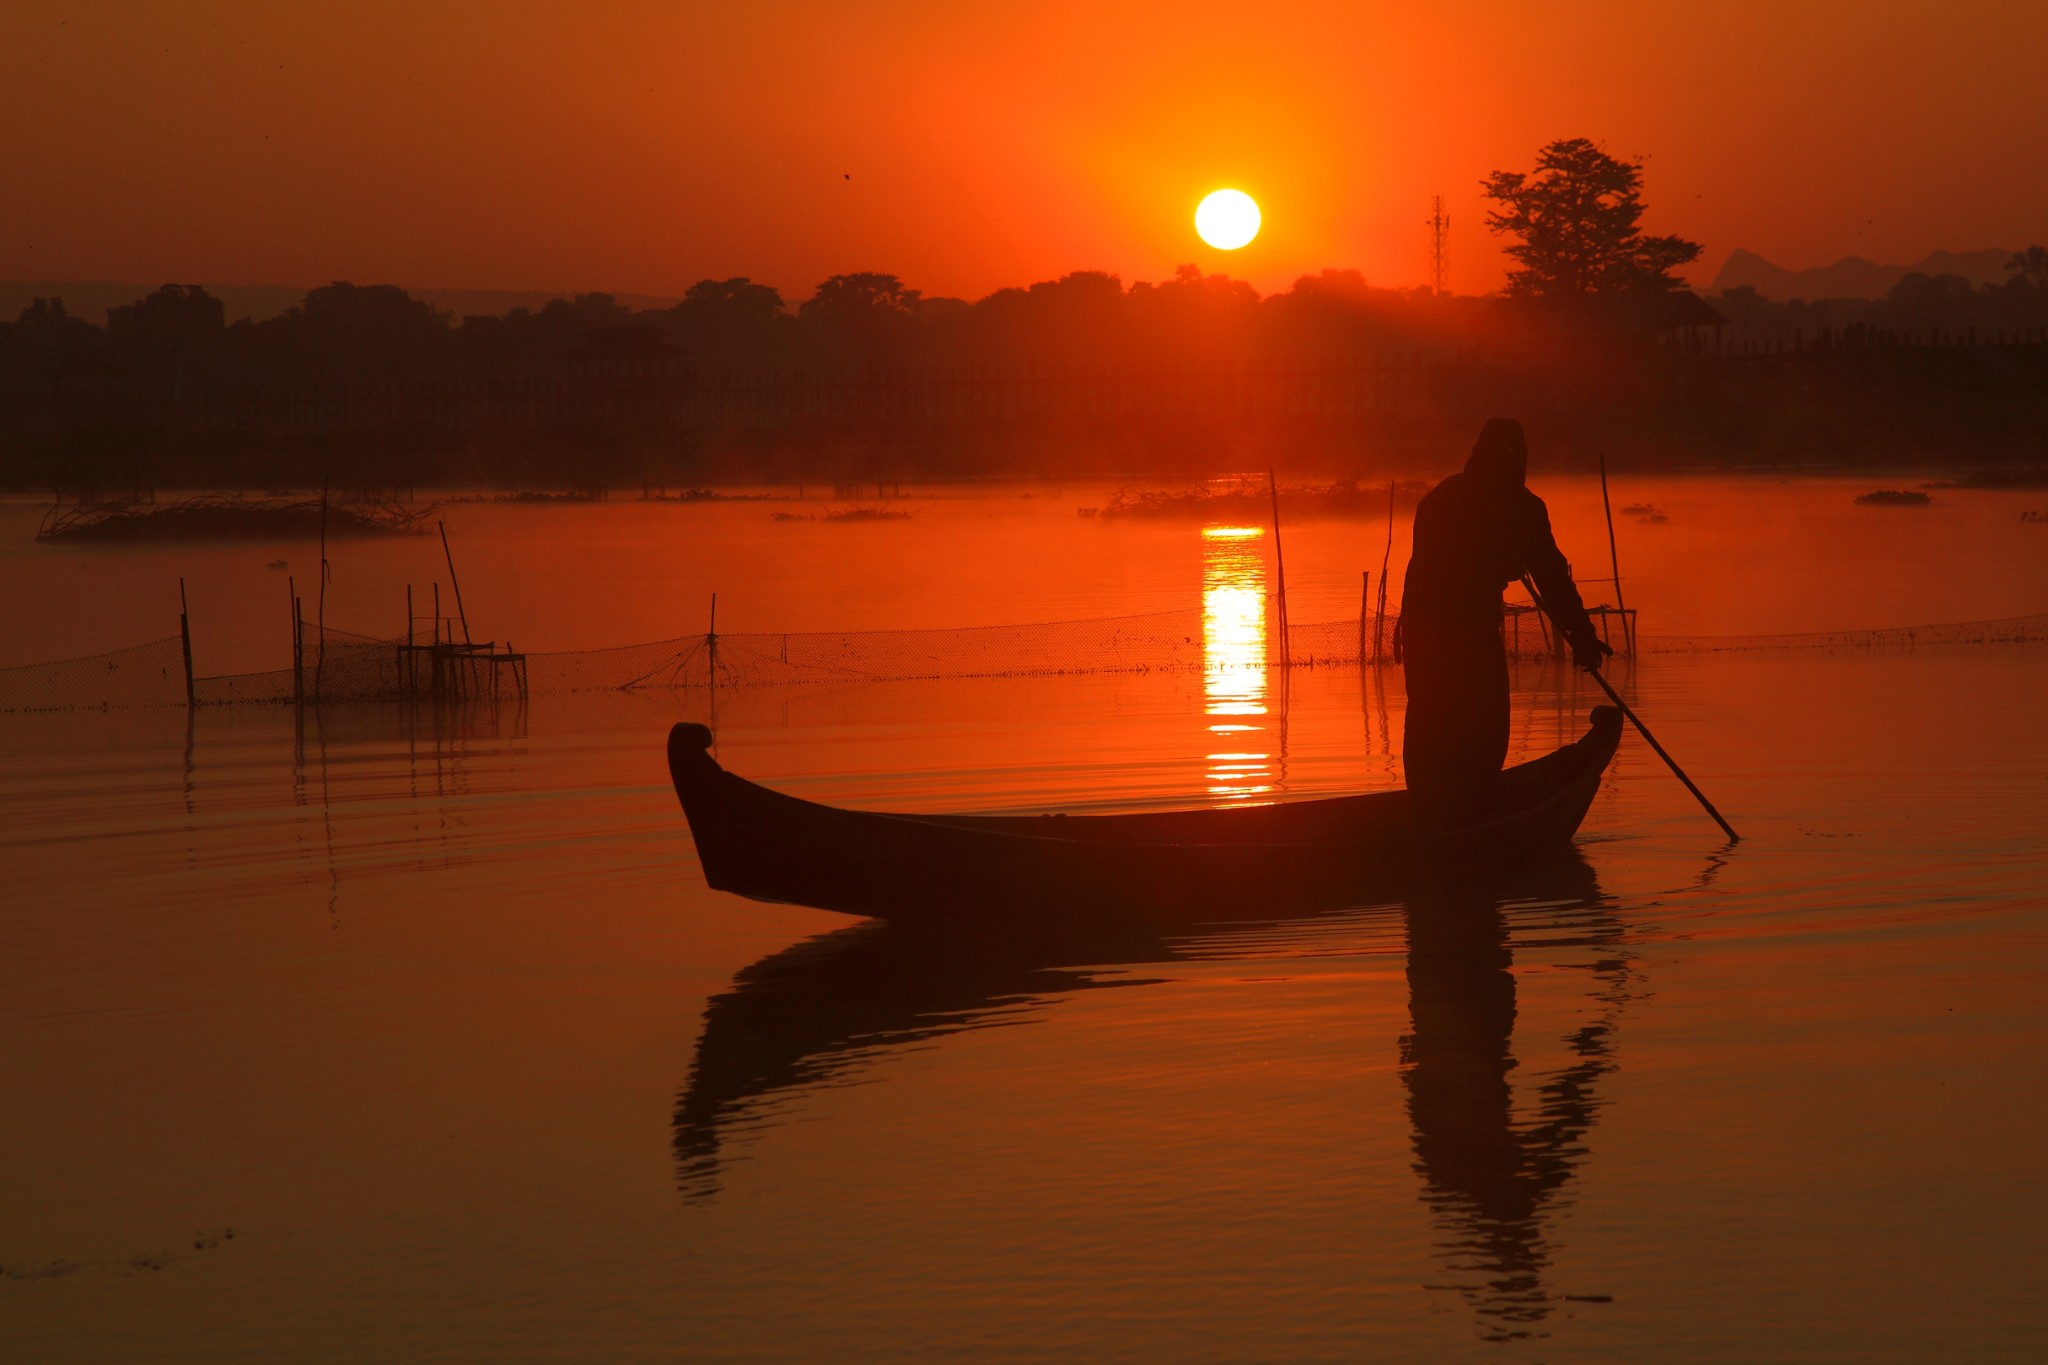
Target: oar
<point>1641,728</point>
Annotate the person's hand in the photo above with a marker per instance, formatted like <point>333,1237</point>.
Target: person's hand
<point>1588,651</point>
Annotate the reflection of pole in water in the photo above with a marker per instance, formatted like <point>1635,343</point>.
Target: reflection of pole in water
<point>1234,642</point>
<point>1280,579</point>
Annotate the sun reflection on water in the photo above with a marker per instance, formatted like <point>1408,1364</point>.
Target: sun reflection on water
<point>1234,660</point>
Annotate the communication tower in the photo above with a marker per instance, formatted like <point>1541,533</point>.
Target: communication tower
<point>1439,244</point>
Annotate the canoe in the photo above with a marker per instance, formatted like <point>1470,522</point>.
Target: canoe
<point>1183,865</point>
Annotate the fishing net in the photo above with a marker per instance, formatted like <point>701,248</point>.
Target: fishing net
<point>2007,630</point>
<point>339,666</point>
<point>1160,641</point>
<point>150,674</point>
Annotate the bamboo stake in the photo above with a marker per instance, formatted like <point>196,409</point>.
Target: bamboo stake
<point>291,589</point>
<point>450,557</point>
<point>1364,609</point>
<point>1614,561</point>
<point>320,657</point>
<point>185,638</point>
<point>1379,619</point>
<point>1279,568</point>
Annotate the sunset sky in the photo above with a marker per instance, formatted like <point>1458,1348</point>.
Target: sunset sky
<point>639,147</point>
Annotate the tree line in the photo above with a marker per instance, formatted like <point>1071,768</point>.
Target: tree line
<point>1574,220</point>
<point>1919,308</point>
<point>1587,281</point>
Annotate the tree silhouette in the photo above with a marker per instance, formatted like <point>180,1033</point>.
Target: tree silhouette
<point>173,318</point>
<point>859,300</point>
<point>734,304</point>
<point>1577,217</point>
<point>2031,265</point>
<point>349,333</point>
<point>53,339</point>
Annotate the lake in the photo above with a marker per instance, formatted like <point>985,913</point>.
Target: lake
<point>381,1032</point>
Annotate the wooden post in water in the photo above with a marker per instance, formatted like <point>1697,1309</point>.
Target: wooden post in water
<point>291,590</point>
<point>1628,636</point>
<point>1379,620</point>
<point>185,638</point>
<point>1279,567</point>
<point>411,624</point>
<point>1364,610</point>
<point>711,646</point>
<point>434,655</point>
<point>320,646</point>
<point>447,554</point>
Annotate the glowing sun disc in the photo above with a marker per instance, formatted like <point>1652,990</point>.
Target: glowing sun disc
<point>1227,219</point>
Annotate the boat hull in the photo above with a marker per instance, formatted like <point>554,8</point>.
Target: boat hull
<point>1175,866</point>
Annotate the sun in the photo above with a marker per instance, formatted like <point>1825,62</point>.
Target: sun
<point>1227,219</point>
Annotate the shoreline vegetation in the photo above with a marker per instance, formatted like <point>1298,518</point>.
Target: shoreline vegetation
<point>288,514</point>
<point>233,516</point>
<point>845,515</point>
<point>1250,499</point>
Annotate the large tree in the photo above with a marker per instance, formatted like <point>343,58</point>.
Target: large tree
<point>2030,265</point>
<point>1577,220</point>
<point>860,300</point>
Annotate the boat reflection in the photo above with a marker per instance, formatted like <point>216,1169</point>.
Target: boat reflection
<point>1494,1173</point>
<point>1240,761</point>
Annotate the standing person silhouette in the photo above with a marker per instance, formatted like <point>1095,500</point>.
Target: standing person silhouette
<point>1475,533</point>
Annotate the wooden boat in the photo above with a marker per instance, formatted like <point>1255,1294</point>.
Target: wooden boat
<point>1183,865</point>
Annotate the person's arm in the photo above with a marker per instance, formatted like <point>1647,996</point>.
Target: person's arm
<point>1546,564</point>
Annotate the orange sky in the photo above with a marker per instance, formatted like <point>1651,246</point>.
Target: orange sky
<point>643,146</point>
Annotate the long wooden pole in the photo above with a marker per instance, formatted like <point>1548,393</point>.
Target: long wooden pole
<point>1279,567</point>
<point>1641,728</point>
<point>320,646</point>
<point>1614,560</point>
<point>185,638</point>
<point>291,591</point>
<point>450,557</point>
<point>1669,761</point>
<point>1386,560</point>
<point>1364,609</point>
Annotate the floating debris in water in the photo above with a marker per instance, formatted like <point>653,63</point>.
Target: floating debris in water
<point>691,495</point>
<point>1250,498</point>
<point>529,495</point>
<point>1892,497</point>
<point>229,516</point>
<point>2016,476</point>
<point>844,514</point>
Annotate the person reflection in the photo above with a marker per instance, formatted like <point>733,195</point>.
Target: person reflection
<point>1492,1180</point>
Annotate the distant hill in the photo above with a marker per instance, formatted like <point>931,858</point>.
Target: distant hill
<point>90,299</point>
<point>1852,277</point>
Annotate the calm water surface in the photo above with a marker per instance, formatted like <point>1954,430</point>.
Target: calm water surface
<point>393,1034</point>
<point>1732,556</point>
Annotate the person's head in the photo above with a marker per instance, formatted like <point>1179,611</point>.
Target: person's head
<point>1500,455</point>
